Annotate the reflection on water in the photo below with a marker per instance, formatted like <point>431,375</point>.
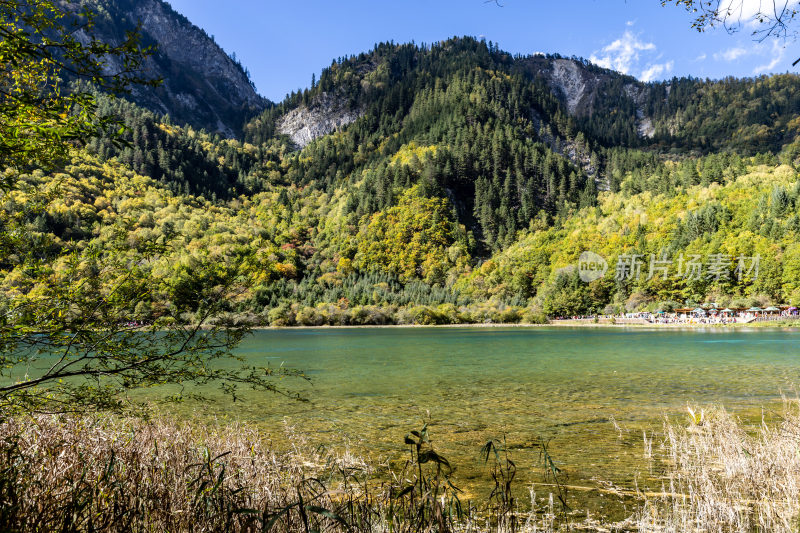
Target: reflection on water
<point>372,385</point>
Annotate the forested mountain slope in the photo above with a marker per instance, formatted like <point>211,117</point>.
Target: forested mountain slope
<point>510,140</point>
<point>444,183</point>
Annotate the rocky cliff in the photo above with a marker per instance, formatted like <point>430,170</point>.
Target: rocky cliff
<point>581,87</point>
<point>202,86</point>
<point>325,114</point>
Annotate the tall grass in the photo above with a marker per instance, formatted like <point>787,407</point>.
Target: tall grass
<point>68,473</point>
<point>722,475</point>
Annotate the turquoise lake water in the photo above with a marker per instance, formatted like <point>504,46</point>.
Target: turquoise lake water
<point>591,392</point>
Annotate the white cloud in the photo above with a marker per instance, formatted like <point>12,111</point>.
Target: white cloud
<point>701,57</point>
<point>622,54</point>
<point>769,54</point>
<point>731,54</point>
<point>777,54</point>
<point>631,55</point>
<point>656,71</point>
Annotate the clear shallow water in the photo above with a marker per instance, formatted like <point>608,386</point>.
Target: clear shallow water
<point>372,385</point>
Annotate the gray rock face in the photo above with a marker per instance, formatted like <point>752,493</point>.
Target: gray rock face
<point>202,86</point>
<point>190,47</point>
<point>568,78</point>
<point>324,116</point>
<point>579,88</point>
<point>644,124</point>
<point>577,154</point>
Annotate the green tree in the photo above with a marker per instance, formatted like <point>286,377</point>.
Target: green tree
<point>566,296</point>
<point>83,325</point>
<point>791,274</point>
<point>41,45</point>
<point>74,335</point>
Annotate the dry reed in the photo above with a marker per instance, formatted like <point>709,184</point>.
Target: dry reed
<point>68,473</point>
<point>91,473</point>
<point>722,475</point>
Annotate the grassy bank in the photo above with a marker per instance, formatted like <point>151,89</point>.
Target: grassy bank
<point>105,474</point>
<point>64,473</point>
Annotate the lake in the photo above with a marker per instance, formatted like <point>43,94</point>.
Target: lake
<point>589,391</point>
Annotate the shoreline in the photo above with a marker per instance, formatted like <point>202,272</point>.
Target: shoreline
<point>552,324</point>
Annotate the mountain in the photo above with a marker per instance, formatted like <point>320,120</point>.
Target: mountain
<point>749,115</point>
<point>510,138</point>
<point>444,183</point>
<point>512,142</point>
<point>203,86</point>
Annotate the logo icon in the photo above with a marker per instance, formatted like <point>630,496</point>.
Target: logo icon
<point>591,266</point>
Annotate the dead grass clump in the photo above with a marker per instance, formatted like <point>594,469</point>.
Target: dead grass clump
<point>91,473</point>
<point>64,473</point>
<point>722,477</point>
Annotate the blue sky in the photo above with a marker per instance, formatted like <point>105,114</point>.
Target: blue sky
<point>283,42</point>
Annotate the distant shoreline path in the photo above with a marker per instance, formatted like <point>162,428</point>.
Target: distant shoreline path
<point>638,323</point>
